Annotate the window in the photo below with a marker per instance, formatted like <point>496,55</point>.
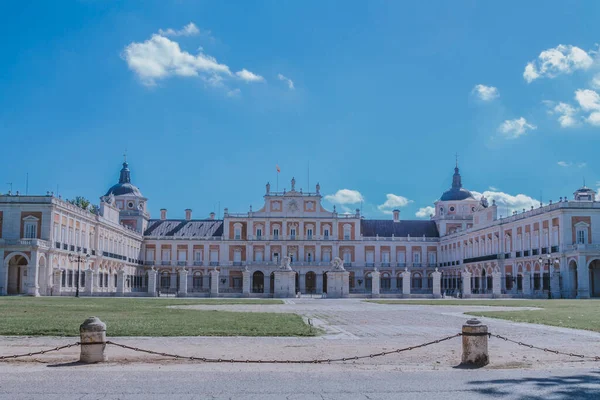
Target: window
<point>401,256</point>
<point>441,210</point>
<point>347,258</point>
<point>166,255</point>
<point>165,280</point>
<point>63,234</point>
<point>214,257</point>
<point>70,278</point>
<point>309,257</point>
<point>432,258</point>
<point>63,278</point>
<point>327,256</point>
<point>309,234</point>
<point>276,233</point>
<point>370,258</point>
<point>293,233</point>
<point>198,255</point>
<point>259,233</point>
<point>150,255</point>
<point>581,236</point>
<point>276,257</point>
<point>56,230</point>
<point>237,257</point>
<point>385,257</point>
<point>417,258</point>
<point>258,256</point>
<point>238,233</point>
<point>326,233</point>
<point>451,208</point>
<point>31,229</point>
<point>346,232</point>
<point>181,255</point>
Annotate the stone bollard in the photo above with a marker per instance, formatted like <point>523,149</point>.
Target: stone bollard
<point>474,344</point>
<point>93,341</point>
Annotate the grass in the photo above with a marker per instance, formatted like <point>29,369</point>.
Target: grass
<point>143,317</point>
<point>578,314</point>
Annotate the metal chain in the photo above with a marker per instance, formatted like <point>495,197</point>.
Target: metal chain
<point>315,361</point>
<point>39,352</point>
<point>594,358</point>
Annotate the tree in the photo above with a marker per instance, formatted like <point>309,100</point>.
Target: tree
<point>81,202</point>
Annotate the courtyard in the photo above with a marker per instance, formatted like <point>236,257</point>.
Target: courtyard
<point>328,328</point>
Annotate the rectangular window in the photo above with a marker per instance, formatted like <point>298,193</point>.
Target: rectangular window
<point>385,257</point>
<point>309,257</point>
<point>432,258</point>
<point>417,258</point>
<point>293,233</point>
<point>237,256</point>
<point>259,256</point>
<point>326,256</point>
<point>581,236</point>
<point>276,257</point>
<point>326,234</point>
<point>166,255</point>
<point>150,255</point>
<point>198,255</point>
<point>275,233</point>
<point>238,233</point>
<point>370,257</point>
<point>181,255</point>
<point>259,233</point>
<point>401,256</point>
<point>30,230</point>
<point>347,258</point>
<point>309,234</point>
<point>214,256</point>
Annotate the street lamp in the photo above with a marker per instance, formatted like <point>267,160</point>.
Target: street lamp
<point>549,262</point>
<point>79,258</point>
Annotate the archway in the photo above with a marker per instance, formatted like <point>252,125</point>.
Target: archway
<point>573,278</point>
<point>17,274</point>
<point>311,282</point>
<point>595,278</point>
<point>258,282</point>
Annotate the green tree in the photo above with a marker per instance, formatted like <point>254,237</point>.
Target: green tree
<point>81,202</point>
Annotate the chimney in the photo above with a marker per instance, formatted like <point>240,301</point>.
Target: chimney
<point>188,214</point>
<point>396,215</point>
<point>212,215</point>
<point>163,213</point>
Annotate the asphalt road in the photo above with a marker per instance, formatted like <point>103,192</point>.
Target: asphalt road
<point>178,382</point>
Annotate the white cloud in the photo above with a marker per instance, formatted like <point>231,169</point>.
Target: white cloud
<point>160,57</point>
<point>493,188</point>
<point>234,93</point>
<point>564,164</point>
<point>485,93</point>
<point>563,59</point>
<point>588,99</point>
<point>581,165</point>
<point>287,80</point>
<point>512,129</point>
<point>595,83</point>
<point>345,196</point>
<point>506,201</point>
<point>189,30</point>
<point>594,118</point>
<point>248,76</point>
<point>566,113</point>
<point>393,201</point>
<point>425,212</point>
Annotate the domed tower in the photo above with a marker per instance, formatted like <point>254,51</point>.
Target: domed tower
<point>128,199</point>
<point>584,193</point>
<point>454,210</point>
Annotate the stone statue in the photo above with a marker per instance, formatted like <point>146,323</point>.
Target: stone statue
<point>285,264</point>
<point>268,187</point>
<point>484,202</point>
<point>338,264</point>
<point>293,184</point>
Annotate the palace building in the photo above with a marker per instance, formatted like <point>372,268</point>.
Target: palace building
<point>292,245</point>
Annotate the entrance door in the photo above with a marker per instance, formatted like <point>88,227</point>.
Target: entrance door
<point>311,282</point>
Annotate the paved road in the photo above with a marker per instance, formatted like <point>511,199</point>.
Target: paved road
<point>178,382</point>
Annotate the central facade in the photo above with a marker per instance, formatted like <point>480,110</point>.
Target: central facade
<point>465,247</point>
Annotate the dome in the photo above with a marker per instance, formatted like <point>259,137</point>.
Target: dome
<point>124,187</point>
<point>456,192</point>
<point>121,189</point>
<point>584,189</point>
<point>456,195</point>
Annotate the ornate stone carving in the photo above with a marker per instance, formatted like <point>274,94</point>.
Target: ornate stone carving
<point>285,264</point>
<point>338,264</point>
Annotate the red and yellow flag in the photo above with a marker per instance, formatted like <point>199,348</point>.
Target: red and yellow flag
<point>278,170</point>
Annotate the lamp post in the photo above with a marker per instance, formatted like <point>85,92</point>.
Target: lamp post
<point>549,262</point>
<point>78,258</point>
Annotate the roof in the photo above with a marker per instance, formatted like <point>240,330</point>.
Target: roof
<point>584,189</point>
<point>456,195</point>
<point>124,188</point>
<point>185,228</point>
<point>387,228</point>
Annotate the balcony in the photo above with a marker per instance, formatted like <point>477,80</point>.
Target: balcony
<point>517,254</point>
<point>526,253</point>
<point>385,264</point>
<point>416,265</point>
<point>275,237</point>
<point>544,250</point>
<point>237,263</point>
<point>401,265</point>
<point>198,263</point>
<point>214,263</point>
<point>309,237</point>
<point>369,264</point>
<point>433,265</point>
<point>535,252</point>
<point>237,237</point>
<point>347,264</point>
<point>149,262</point>
<point>182,263</point>
<point>482,258</point>
<point>165,262</point>
<point>506,255</point>
<point>554,249</point>
<point>292,237</point>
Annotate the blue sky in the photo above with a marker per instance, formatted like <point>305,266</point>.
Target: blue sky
<point>384,94</point>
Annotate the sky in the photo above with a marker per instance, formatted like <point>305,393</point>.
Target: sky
<point>372,99</point>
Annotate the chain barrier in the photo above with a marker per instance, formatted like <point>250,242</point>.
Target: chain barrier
<point>593,358</point>
<point>315,361</point>
<point>37,353</point>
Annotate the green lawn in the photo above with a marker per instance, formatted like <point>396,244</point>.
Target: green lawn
<point>578,314</point>
<point>142,317</point>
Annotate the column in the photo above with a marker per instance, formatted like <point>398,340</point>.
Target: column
<point>267,281</point>
<point>526,284</point>
<point>583,278</point>
<point>496,283</point>
<point>319,283</point>
<point>214,283</point>
<point>190,255</point>
<point>466,283</point>
<point>89,281</point>
<point>3,274</point>
<point>302,282</point>
<point>375,275</point>
<point>377,255</point>
<point>152,282</point>
<point>120,282</point>
<point>246,283</point>
<point>33,289</point>
<point>437,288</point>
<point>183,282</point>
<point>406,282</point>
<point>566,279</point>
<point>173,281</point>
<point>554,283</point>
<point>56,282</point>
